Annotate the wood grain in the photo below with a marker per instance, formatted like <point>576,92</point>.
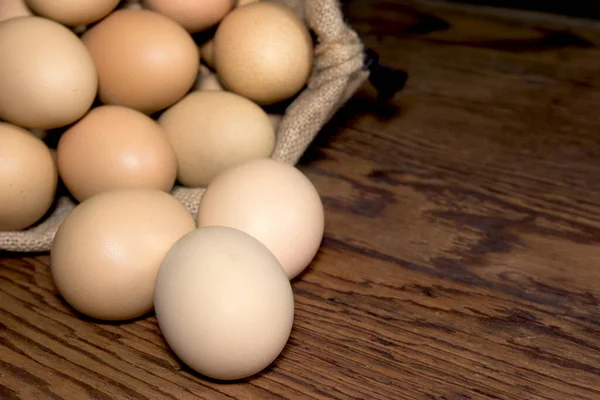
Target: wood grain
<point>462,251</point>
<point>574,8</point>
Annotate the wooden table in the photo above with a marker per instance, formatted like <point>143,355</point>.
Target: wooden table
<point>462,251</point>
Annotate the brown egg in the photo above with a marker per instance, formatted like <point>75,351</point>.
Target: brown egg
<point>273,202</point>
<point>194,16</point>
<point>73,12</point>
<point>115,147</point>
<point>13,8</point>
<point>106,253</point>
<point>28,178</point>
<point>47,77</point>
<point>145,60</point>
<point>223,303</point>
<point>206,52</point>
<point>264,52</point>
<point>214,130</point>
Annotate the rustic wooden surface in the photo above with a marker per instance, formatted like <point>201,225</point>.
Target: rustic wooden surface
<point>575,8</point>
<point>462,250</point>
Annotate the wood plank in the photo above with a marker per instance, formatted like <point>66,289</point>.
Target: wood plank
<point>573,8</point>
<point>462,247</point>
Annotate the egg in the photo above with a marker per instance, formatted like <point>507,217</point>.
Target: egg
<point>73,12</point>
<point>106,253</point>
<point>267,62</point>
<point>271,201</point>
<point>214,130</point>
<point>28,178</point>
<point>115,147</point>
<point>206,53</point>
<point>194,16</point>
<point>223,303</point>
<point>13,8</point>
<point>145,61</point>
<point>47,77</point>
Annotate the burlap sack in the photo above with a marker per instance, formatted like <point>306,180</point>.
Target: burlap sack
<point>339,70</point>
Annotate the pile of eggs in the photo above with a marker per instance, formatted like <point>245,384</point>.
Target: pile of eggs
<point>136,104</point>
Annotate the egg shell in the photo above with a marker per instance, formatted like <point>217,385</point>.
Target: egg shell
<point>106,253</point>
<point>28,178</point>
<point>47,77</point>
<point>223,303</point>
<point>273,202</point>
<point>214,130</point>
<point>145,61</point>
<point>13,8</point>
<point>115,147</point>
<point>207,54</point>
<point>194,16</point>
<point>73,12</point>
<point>265,62</point>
